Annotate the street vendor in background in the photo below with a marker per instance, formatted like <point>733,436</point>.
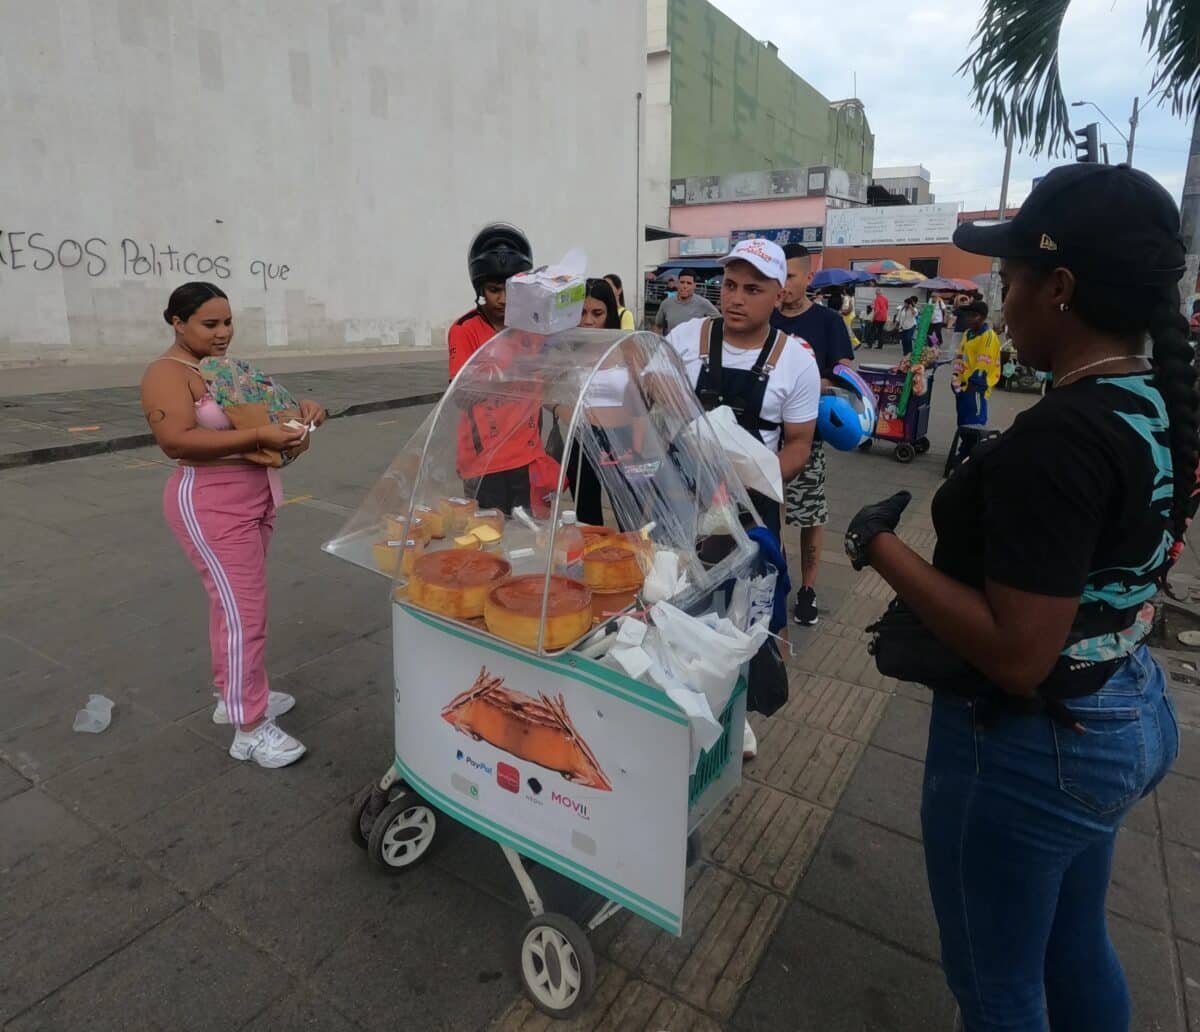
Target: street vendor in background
<point>976,369</point>
<point>769,380</point>
<point>824,331</point>
<point>497,440</point>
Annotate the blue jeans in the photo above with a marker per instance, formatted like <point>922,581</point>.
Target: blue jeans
<point>906,339</point>
<point>1019,819</point>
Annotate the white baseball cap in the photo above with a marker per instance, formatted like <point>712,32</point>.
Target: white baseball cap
<point>766,256</point>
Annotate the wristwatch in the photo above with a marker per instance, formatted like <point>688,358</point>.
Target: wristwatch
<point>856,548</point>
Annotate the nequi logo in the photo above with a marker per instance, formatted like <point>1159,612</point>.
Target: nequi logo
<point>579,809</point>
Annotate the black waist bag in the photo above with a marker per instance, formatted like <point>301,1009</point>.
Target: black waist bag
<point>905,649</point>
<point>766,680</point>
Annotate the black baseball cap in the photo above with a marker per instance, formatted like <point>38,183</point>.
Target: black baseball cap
<point>975,308</point>
<point>1110,223</point>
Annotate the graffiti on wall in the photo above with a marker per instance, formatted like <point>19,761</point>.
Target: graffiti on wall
<point>35,251</point>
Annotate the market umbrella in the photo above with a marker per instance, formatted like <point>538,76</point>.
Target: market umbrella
<point>969,286</point>
<point>941,283</point>
<point>885,267</point>
<point>902,277</point>
<point>833,278</point>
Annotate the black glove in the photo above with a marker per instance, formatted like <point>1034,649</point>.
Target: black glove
<point>877,518</point>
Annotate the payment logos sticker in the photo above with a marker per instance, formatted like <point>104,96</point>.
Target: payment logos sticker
<point>508,777</point>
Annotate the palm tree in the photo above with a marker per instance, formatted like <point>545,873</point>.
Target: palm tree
<point>1014,65</point>
<point>1014,77</point>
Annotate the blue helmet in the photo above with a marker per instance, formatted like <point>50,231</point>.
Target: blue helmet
<point>846,416</point>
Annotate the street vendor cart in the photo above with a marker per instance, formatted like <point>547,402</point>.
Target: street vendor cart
<point>523,707</point>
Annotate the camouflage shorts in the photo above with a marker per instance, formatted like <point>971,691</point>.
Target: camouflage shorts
<point>805,493</point>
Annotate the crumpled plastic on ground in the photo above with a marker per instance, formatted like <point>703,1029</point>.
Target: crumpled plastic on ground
<point>95,716</point>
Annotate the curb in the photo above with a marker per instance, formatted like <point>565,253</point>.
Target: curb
<point>86,449</point>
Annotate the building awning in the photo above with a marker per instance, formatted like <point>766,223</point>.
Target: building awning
<point>659,233</point>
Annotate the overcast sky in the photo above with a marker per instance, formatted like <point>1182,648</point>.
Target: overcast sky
<point>905,58</point>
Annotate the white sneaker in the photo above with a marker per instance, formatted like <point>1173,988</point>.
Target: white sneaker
<point>278,703</point>
<point>267,745</point>
<point>749,744</point>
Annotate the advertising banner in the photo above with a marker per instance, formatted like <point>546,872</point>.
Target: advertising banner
<point>901,224</point>
<point>571,764</point>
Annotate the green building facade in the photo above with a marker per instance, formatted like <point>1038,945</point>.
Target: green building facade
<point>736,107</point>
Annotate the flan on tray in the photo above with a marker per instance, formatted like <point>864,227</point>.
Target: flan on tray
<point>455,582</point>
<point>616,563</point>
<point>513,610</point>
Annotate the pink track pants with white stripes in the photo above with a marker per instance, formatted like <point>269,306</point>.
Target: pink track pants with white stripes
<point>223,517</point>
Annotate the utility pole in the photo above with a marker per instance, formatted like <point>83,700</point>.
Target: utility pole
<point>994,282</point>
<point>1190,212</point>
<point>1133,122</point>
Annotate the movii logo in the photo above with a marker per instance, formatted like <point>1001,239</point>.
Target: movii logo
<point>579,809</point>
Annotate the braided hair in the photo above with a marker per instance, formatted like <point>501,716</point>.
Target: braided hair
<point>1102,308</point>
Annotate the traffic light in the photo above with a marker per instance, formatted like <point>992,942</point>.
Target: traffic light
<point>1087,146</point>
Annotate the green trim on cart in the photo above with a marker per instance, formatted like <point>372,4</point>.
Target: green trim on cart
<point>612,682</point>
<point>652,912</point>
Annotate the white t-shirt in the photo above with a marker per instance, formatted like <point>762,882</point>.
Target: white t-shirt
<point>939,311</point>
<point>793,388</point>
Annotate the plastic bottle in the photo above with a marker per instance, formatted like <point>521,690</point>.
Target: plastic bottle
<point>568,547</point>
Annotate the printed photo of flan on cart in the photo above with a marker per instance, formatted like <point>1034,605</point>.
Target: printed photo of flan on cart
<point>537,730</point>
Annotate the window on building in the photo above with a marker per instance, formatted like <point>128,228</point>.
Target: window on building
<point>925,266</point>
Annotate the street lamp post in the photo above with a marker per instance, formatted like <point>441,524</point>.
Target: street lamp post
<point>1133,122</point>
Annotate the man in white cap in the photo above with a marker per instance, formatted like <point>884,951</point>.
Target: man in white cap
<point>769,379</point>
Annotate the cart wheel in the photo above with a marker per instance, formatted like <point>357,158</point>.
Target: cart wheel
<point>866,445</point>
<point>921,445</point>
<point>361,817</point>
<point>905,452</point>
<point>558,968</point>
<point>403,833</point>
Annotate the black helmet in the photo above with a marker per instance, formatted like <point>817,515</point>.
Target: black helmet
<point>497,252</point>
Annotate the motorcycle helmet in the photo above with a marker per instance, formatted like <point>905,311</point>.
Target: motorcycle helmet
<point>498,251</point>
<point>846,417</point>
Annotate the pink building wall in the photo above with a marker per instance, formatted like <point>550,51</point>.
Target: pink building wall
<point>717,220</point>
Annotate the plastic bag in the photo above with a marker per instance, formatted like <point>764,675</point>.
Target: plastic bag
<point>766,680</point>
<point>755,464</point>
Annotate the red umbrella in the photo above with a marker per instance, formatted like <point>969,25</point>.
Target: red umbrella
<point>883,266</point>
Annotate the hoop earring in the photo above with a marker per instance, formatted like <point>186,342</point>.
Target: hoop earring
<point>1064,307</point>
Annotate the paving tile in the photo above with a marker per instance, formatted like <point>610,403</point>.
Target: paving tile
<point>56,924</point>
<point>51,746</point>
<point>1188,761</point>
<point>419,955</point>
<point>1149,962</point>
<point>298,1010</point>
<point>914,692</point>
<point>19,659</point>
<point>886,789</point>
<point>1143,816</point>
<point>360,671</point>
<point>1179,810</point>
<point>345,752</point>
<point>823,975</point>
<point>1189,962</point>
<point>1138,889</point>
<point>845,709</point>
<point>766,835</point>
<point>185,974</point>
<point>331,887</point>
<point>1183,888</point>
<point>120,788</point>
<point>11,782</point>
<point>904,728</point>
<point>300,639</point>
<point>727,923</point>
<point>801,760</point>
<point>203,838</point>
<point>875,879</point>
<point>37,832</point>
<point>1187,703</point>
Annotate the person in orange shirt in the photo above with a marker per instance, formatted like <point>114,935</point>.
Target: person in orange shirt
<point>497,440</point>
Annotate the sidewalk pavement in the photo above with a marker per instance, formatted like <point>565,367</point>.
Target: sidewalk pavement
<point>74,422</point>
<point>148,881</point>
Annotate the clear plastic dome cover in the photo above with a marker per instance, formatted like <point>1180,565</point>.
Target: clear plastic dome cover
<point>619,403</point>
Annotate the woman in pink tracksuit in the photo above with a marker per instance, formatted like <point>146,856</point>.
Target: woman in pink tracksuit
<point>221,507</point>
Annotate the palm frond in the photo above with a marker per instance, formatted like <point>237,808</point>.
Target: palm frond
<point>1014,72</point>
<point>1172,34</point>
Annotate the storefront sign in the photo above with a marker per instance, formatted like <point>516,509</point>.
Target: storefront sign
<point>901,224</point>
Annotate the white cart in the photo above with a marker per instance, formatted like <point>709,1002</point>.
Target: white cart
<point>554,753</point>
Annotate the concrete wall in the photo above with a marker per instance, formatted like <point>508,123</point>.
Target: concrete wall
<point>736,107</point>
<point>324,162</point>
<point>656,153</point>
